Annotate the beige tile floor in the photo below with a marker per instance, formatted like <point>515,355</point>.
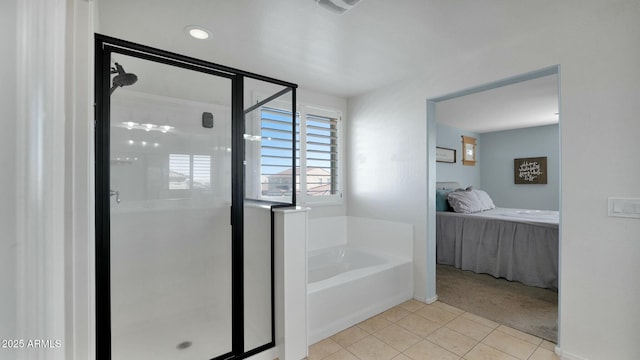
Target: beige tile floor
<point>414,330</point>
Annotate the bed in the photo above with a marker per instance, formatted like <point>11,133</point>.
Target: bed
<point>515,244</point>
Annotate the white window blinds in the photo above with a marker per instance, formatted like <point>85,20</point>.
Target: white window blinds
<point>317,155</point>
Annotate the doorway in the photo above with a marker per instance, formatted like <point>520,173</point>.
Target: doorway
<point>184,261</point>
<point>432,171</point>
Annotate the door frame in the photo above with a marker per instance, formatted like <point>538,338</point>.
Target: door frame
<point>431,295</point>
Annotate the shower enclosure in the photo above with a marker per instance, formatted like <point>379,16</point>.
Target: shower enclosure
<point>184,250</point>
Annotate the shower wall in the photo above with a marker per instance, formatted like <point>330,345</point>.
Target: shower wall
<point>170,232</point>
<point>146,165</point>
<point>170,235</point>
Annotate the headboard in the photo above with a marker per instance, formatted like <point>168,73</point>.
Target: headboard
<point>447,185</point>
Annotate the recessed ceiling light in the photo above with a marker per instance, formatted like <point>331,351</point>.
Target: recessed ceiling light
<point>198,32</point>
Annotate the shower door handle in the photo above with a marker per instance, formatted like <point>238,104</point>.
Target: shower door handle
<point>115,193</point>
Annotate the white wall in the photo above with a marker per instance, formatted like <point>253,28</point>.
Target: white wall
<point>387,156</point>
<point>392,238</point>
<point>449,137</point>
<point>499,148</point>
<point>7,174</point>
<point>596,45</point>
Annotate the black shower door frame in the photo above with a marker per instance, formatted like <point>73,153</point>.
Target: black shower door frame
<point>104,47</point>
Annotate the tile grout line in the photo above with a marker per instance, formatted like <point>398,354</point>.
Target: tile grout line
<point>425,338</point>
<point>504,352</point>
<point>440,327</point>
<point>477,342</point>
<point>491,332</point>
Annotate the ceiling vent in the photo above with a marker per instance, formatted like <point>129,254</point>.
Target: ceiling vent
<point>337,6</point>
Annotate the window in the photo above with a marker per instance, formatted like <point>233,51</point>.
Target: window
<point>321,155</point>
<point>189,172</point>
<point>275,153</point>
<point>317,155</point>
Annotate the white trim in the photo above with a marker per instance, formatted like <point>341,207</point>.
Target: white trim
<point>560,207</point>
<point>431,300</point>
<point>431,173</point>
<point>430,256</point>
<point>335,199</point>
<point>566,355</point>
<point>40,152</point>
<point>80,204</point>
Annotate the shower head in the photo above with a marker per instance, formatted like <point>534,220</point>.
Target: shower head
<point>122,79</point>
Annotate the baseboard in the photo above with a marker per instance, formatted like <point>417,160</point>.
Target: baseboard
<point>431,300</point>
<point>567,356</point>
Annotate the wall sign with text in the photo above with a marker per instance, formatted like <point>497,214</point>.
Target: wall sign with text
<point>530,170</point>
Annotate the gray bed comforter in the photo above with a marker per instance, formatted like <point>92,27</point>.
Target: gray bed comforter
<point>519,245</point>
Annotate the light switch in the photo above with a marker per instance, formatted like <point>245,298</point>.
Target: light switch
<point>624,207</point>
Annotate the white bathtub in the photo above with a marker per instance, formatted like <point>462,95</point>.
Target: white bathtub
<point>348,285</point>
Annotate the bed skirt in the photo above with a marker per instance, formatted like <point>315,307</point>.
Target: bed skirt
<point>517,251</point>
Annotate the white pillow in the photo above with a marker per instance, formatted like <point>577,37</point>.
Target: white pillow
<point>465,201</point>
<point>485,199</point>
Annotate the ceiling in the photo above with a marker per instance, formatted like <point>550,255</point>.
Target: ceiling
<point>524,104</point>
<point>376,43</point>
<point>292,40</point>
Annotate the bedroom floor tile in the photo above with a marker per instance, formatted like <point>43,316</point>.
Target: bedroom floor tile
<point>509,344</point>
<point>447,307</point>
<point>322,349</point>
<point>480,320</point>
<point>469,328</point>
<point>412,305</point>
<point>374,324</point>
<point>452,341</point>
<point>349,336</point>
<point>372,348</point>
<point>436,314</point>
<point>544,354</point>
<point>485,352</point>
<point>548,345</point>
<point>419,325</point>
<point>401,357</point>
<point>520,335</point>
<point>399,338</point>
<point>341,355</point>
<point>426,350</point>
<point>417,331</point>
<point>395,313</point>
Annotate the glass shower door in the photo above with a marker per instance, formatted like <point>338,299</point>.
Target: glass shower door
<point>170,225</point>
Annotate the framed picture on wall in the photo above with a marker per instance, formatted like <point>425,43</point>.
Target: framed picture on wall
<point>530,170</point>
<point>445,155</point>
